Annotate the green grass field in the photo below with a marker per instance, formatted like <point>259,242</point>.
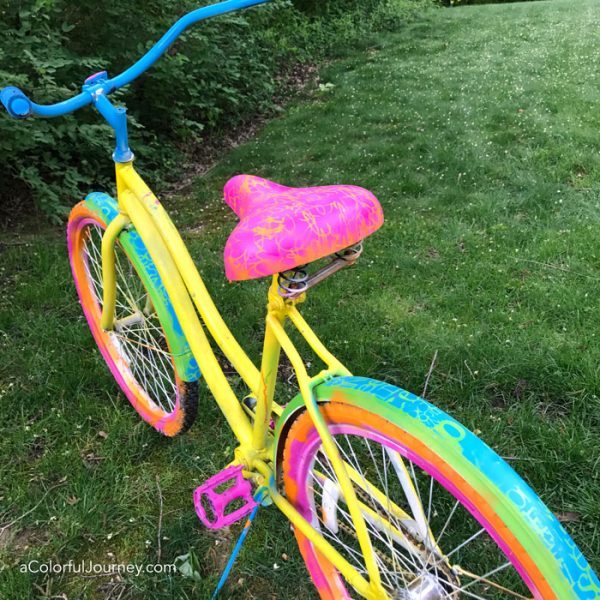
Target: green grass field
<point>477,128</point>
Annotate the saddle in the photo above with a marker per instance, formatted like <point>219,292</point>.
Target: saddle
<point>282,227</point>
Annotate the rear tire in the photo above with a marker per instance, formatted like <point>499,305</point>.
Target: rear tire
<point>138,351</point>
<point>416,455</point>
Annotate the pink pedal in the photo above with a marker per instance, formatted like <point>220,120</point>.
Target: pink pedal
<point>238,489</point>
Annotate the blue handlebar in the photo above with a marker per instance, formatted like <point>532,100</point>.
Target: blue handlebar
<point>176,30</point>
<point>20,106</point>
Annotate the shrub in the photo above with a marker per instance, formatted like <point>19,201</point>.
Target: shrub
<point>466,2</point>
<point>390,15</point>
<point>214,77</point>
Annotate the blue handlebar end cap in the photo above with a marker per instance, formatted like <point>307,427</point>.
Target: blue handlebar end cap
<point>16,103</point>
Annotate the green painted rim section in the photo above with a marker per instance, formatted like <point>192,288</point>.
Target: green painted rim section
<point>447,438</point>
<point>105,208</point>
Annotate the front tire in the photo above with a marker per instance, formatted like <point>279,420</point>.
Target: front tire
<point>142,352</point>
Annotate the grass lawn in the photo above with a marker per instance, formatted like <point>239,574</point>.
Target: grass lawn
<point>477,128</point>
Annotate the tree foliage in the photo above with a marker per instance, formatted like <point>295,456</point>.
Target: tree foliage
<point>217,74</point>
<point>467,2</point>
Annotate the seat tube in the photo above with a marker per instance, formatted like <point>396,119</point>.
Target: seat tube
<point>268,370</point>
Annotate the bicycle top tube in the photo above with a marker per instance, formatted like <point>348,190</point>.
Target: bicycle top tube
<point>20,106</point>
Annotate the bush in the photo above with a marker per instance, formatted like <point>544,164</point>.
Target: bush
<point>466,2</point>
<point>218,74</point>
<point>390,15</point>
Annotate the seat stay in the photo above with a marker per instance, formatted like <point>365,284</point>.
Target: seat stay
<point>280,309</point>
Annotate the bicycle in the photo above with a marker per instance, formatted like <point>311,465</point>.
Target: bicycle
<point>347,460</point>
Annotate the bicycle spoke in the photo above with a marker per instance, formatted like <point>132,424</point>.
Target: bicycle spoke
<point>407,553</point>
<point>139,338</point>
<point>485,579</point>
<point>465,543</point>
<point>456,505</point>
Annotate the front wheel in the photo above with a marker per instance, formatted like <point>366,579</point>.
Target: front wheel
<point>447,517</point>
<point>146,351</point>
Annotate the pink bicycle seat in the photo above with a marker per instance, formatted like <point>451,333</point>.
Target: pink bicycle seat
<point>282,227</point>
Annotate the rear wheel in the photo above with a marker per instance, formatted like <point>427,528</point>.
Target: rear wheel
<point>138,350</point>
<point>437,532</point>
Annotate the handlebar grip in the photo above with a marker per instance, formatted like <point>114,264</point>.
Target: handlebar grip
<point>16,103</point>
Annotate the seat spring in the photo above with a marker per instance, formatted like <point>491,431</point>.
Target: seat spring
<point>293,282</point>
<point>352,253</point>
<point>296,281</point>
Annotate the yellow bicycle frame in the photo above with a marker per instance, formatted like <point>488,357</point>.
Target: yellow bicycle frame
<point>140,207</point>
